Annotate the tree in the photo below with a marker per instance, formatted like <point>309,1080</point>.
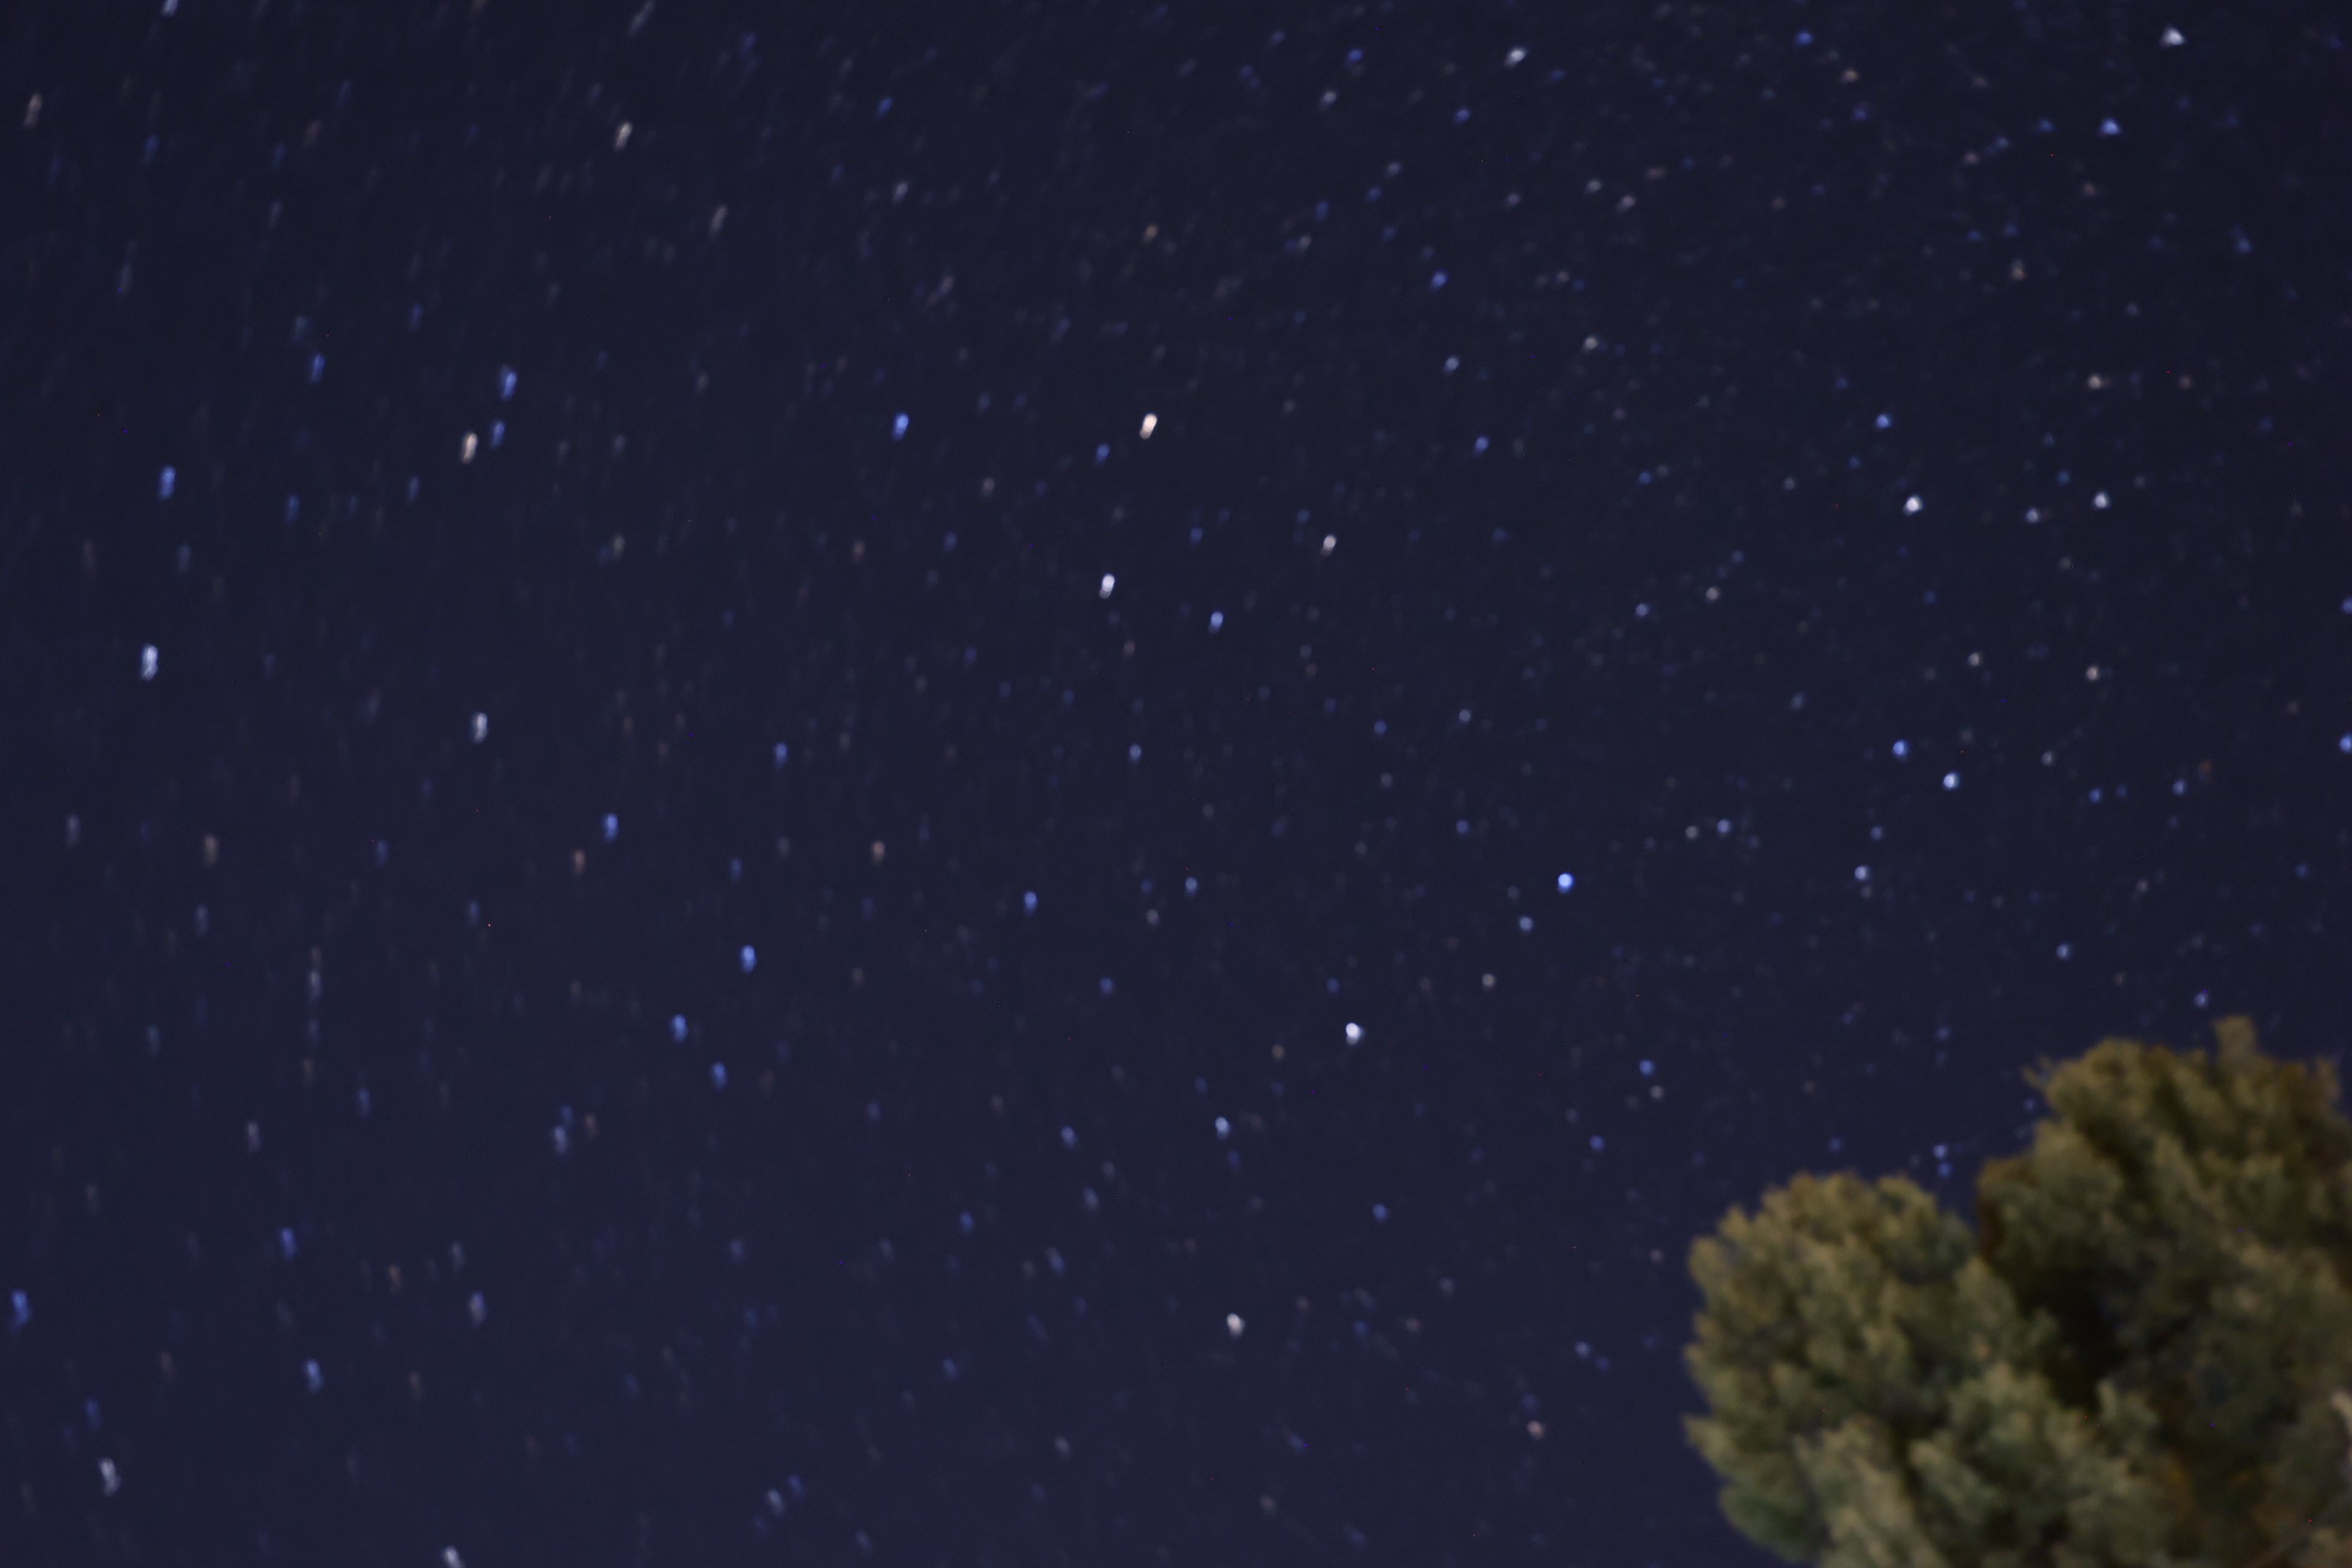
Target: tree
<point>2136,1361</point>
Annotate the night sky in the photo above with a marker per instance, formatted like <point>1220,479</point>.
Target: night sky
<point>969,784</point>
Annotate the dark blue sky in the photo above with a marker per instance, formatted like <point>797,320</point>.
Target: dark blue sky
<point>850,833</point>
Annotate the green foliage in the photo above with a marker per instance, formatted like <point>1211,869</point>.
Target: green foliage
<point>2136,1361</point>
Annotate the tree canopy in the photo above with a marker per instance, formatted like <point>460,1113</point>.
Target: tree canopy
<point>2136,1360</point>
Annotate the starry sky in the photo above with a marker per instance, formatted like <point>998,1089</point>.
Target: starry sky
<point>1058,783</point>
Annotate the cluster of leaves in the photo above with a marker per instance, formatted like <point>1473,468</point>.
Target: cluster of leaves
<point>2136,1361</point>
